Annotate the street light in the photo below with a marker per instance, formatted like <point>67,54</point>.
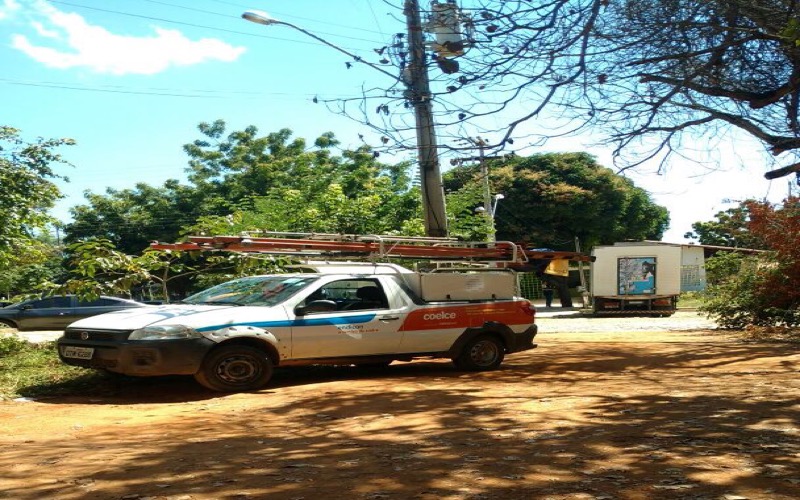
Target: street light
<point>497,198</point>
<point>419,94</point>
<point>492,212</point>
<point>260,17</point>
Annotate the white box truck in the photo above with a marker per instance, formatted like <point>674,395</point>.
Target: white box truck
<point>636,278</point>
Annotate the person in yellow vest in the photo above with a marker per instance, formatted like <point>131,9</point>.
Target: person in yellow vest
<point>559,268</point>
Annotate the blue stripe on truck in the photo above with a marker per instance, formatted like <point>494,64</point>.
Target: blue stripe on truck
<point>337,320</point>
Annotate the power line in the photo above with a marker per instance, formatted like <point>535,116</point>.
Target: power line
<point>187,8</point>
<point>151,18</point>
<point>67,87</point>
<point>291,16</point>
<point>201,93</point>
<point>193,25</point>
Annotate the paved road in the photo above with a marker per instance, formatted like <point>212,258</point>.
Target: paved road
<point>575,322</point>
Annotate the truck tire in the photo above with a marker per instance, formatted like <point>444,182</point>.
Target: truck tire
<point>481,353</point>
<point>235,368</point>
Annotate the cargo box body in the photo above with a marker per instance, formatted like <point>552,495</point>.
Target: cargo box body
<point>631,277</point>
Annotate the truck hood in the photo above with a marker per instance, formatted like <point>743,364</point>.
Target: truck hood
<point>183,314</point>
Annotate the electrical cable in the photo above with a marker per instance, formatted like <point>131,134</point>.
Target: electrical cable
<point>157,92</point>
<point>183,23</point>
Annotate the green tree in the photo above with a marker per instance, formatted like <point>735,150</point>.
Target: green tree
<point>39,260</point>
<point>233,168</point>
<point>464,221</point>
<point>552,198</point>
<point>27,192</point>
<point>97,267</point>
<point>132,218</point>
<point>730,229</point>
<point>279,185</point>
<point>761,290</point>
<point>241,181</point>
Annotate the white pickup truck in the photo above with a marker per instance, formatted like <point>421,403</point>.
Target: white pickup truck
<point>231,336</point>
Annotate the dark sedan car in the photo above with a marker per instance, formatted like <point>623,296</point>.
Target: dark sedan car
<point>56,312</point>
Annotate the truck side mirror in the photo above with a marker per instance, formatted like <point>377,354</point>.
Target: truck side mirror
<point>315,306</point>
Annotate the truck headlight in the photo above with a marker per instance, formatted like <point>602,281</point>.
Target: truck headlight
<point>166,332</point>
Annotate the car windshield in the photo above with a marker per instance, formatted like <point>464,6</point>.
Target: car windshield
<point>251,291</point>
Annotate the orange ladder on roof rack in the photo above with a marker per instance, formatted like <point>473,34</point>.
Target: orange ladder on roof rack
<point>325,245</point>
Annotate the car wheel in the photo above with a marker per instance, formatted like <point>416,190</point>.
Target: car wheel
<point>481,353</point>
<point>5,323</point>
<point>235,368</point>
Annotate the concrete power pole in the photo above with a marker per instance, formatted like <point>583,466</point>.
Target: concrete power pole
<point>435,216</point>
<point>487,189</point>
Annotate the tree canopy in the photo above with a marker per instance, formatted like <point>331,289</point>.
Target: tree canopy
<point>762,289</point>
<point>97,267</point>
<point>242,181</point>
<point>132,218</point>
<point>552,198</point>
<point>730,229</point>
<point>27,192</point>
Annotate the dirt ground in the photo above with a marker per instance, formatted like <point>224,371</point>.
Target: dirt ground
<point>603,409</point>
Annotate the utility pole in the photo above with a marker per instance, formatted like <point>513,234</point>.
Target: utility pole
<point>419,94</point>
<point>487,188</point>
<point>484,167</point>
<point>488,208</point>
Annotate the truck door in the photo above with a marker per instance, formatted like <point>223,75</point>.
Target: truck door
<point>360,321</point>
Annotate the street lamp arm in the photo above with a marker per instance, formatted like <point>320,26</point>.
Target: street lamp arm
<point>261,18</point>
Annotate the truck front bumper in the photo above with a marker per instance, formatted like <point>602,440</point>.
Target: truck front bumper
<point>136,358</point>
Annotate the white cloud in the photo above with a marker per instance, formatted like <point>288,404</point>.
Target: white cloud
<point>74,43</point>
<point>8,8</point>
<point>43,31</point>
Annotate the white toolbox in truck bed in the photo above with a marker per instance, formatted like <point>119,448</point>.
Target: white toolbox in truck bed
<point>467,286</point>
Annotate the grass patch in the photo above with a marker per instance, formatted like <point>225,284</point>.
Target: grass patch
<point>34,371</point>
<point>690,300</point>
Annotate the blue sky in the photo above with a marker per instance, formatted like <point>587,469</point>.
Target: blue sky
<point>129,80</point>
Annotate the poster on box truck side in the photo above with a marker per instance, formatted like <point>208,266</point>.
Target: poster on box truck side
<point>636,275</point>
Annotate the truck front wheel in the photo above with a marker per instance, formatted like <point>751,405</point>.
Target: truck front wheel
<point>235,368</point>
<point>481,353</point>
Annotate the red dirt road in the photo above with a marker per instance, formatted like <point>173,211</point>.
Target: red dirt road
<point>629,413</point>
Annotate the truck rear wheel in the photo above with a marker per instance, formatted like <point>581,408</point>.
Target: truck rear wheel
<point>481,353</point>
<point>235,368</point>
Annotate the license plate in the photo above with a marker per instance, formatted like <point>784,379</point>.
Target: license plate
<point>78,352</point>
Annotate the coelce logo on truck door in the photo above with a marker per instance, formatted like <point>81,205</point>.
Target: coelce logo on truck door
<point>439,316</point>
<point>432,319</point>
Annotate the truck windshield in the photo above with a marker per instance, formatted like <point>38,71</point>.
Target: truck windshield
<point>251,291</point>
